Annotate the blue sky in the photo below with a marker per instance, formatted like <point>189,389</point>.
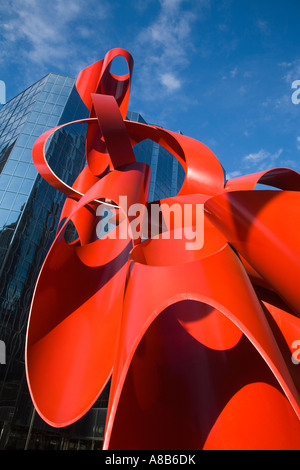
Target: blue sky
<point>219,71</point>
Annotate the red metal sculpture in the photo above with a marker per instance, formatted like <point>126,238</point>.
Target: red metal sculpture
<point>197,343</point>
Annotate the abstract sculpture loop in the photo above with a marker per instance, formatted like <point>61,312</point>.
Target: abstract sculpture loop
<point>197,343</point>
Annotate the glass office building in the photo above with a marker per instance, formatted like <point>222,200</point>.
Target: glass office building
<point>167,173</point>
<point>29,213</point>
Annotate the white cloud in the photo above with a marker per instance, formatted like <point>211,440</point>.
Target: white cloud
<point>170,4</point>
<point>168,40</point>
<point>233,72</point>
<point>233,174</point>
<point>170,81</point>
<point>263,26</point>
<point>292,71</point>
<point>43,32</point>
<point>256,157</point>
<point>36,27</point>
<point>169,34</point>
<point>298,143</point>
<point>261,160</point>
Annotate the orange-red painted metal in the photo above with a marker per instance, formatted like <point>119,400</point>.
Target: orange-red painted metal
<point>197,342</point>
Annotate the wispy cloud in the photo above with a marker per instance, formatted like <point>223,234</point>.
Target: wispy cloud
<point>46,33</point>
<point>233,174</point>
<point>170,82</point>
<point>277,106</point>
<point>263,26</point>
<point>261,160</point>
<point>168,40</point>
<point>264,160</point>
<point>231,73</point>
<point>291,71</point>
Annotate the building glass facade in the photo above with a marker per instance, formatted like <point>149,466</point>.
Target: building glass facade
<point>29,214</point>
<point>167,173</point>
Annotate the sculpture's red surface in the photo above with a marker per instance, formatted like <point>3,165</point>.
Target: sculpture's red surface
<point>198,343</point>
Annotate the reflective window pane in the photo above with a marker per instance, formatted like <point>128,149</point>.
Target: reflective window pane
<point>3,216</point>
<point>8,200</point>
